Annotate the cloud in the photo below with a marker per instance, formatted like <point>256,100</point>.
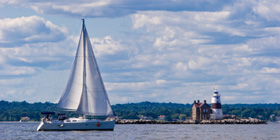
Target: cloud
<point>192,59</point>
<point>116,8</point>
<point>29,57</point>
<point>188,28</point>
<point>28,44</point>
<point>106,46</point>
<point>11,70</point>
<point>270,70</point>
<point>176,51</point>
<point>9,82</point>
<point>268,9</point>
<point>33,29</point>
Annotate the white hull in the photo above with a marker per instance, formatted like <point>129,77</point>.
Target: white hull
<point>79,125</point>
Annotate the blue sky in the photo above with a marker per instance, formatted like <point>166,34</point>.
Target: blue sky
<point>159,51</point>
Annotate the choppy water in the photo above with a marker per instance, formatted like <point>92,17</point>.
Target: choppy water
<point>269,131</point>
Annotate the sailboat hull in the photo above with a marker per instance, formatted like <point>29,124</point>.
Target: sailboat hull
<point>77,126</point>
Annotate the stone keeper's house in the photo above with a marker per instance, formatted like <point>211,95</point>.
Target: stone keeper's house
<point>200,111</point>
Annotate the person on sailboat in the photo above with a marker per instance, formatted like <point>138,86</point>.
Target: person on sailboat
<point>62,116</point>
<point>46,118</point>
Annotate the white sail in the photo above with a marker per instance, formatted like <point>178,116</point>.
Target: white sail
<point>85,91</point>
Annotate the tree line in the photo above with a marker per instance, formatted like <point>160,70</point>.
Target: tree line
<point>13,111</point>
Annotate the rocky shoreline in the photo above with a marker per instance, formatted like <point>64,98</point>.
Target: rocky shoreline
<point>223,121</point>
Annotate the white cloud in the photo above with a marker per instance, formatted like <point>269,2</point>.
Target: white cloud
<point>174,53</point>
<point>231,67</point>
<point>2,59</point>
<point>265,44</point>
<point>130,86</point>
<point>5,82</point>
<point>114,8</point>
<point>270,70</point>
<point>200,63</point>
<point>268,9</point>
<point>106,46</point>
<point>160,82</point>
<point>193,21</point>
<point>181,66</point>
<point>40,54</point>
<point>31,29</point>
<point>12,70</point>
<point>229,98</point>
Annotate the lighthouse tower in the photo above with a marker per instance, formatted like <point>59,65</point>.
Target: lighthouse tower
<point>216,106</point>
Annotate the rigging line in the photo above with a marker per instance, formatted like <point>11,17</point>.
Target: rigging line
<point>91,92</point>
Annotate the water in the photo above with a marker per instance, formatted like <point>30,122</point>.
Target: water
<point>15,131</point>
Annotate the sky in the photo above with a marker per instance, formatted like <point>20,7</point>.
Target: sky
<point>150,50</point>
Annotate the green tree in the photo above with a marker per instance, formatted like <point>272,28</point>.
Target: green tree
<point>182,117</point>
<point>168,118</point>
<point>175,116</point>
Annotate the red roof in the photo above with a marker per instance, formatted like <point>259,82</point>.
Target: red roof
<point>198,104</point>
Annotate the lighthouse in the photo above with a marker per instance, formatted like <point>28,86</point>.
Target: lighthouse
<point>216,106</point>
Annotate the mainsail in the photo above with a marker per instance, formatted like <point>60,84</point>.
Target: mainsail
<point>85,91</point>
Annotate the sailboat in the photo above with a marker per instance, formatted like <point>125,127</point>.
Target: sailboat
<point>84,93</point>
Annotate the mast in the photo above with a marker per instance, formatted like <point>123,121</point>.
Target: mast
<point>84,56</point>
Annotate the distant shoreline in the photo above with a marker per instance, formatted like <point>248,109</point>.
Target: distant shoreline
<point>49,102</point>
<point>13,111</point>
<point>223,121</point>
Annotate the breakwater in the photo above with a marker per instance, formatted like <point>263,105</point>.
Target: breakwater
<point>223,121</point>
